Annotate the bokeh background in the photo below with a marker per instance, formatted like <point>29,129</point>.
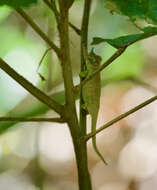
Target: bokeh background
<point>40,155</point>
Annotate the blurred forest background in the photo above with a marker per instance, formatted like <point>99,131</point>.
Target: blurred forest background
<point>40,155</point>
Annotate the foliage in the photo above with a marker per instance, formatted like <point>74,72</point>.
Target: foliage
<point>17,3</point>
<point>135,9</point>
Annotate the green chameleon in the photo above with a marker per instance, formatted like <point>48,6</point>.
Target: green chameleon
<point>91,93</point>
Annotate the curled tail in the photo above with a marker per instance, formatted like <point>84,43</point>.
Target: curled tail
<point>94,141</point>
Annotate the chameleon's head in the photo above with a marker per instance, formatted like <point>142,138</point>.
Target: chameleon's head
<point>94,59</point>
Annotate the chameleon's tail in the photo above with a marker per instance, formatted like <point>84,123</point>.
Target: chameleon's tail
<point>94,143</point>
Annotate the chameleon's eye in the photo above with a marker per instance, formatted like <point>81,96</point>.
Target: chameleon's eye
<point>93,59</point>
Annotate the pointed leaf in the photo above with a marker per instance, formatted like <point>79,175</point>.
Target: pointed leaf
<point>128,39</point>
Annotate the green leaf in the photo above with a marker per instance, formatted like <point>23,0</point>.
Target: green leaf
<point>128,39</point>
<point>17,3</point>
<point>141,9</point>
<point>97,40</point>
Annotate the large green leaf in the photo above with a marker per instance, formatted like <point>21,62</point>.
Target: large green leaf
<point>142,9</point>
<point>128,39</point>
<point>17,3</point>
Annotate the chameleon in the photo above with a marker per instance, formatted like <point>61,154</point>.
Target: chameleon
<point>91,91</point>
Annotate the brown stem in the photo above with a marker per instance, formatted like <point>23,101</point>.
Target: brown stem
<point>31,88</point>
<point>77,30</point>
<point>23,119</point>
<point>80,150</point>
<point>53,7</point>
<point>84,46</point>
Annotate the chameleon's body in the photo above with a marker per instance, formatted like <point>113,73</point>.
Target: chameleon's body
<point>91,94</point>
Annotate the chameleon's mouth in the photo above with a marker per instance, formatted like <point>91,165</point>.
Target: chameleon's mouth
<point>95,64</point>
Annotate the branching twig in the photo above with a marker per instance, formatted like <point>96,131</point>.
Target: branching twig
<point>108,124</point>
<point>23,119</point>
<point>29,20</point>
<point>77,30</point>
<point>53,7</point>
<point>31,88</point>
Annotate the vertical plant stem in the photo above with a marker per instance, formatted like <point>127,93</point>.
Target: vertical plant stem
<point>70,107</point>
<point>84,45</point>
<point>66,64</point>
<point>84,180</point>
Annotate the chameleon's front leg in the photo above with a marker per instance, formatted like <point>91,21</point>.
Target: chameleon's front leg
<point>83,74</point>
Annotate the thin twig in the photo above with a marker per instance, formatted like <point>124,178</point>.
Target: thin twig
<point>42,58</point>
<point>77,30</point>
<point>22,119</point>
<point>53,7</point>
<point>31,88</point>
<point>37,29</point>
<point>104,65</point>
<point>84,47</point>
<point>115,120</point>
<point>111,59</point>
